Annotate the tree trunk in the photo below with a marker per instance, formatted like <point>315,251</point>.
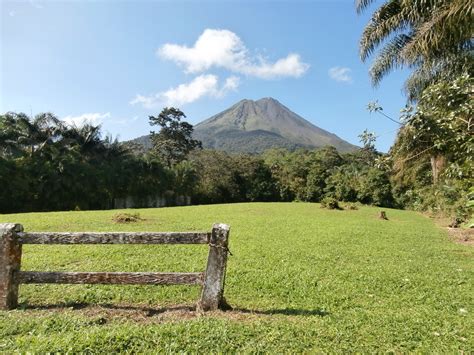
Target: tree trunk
<point>438,163</point>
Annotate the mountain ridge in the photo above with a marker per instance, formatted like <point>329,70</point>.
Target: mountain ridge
<point>254,126</point>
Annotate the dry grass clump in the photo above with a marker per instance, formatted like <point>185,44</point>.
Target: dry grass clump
<point>330,203</point>
<point>127,218</point>
<point>351,206</point>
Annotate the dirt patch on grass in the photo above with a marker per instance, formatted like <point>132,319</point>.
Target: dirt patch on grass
<point>140,314</point>
<point>462,235</point>
<point>458,235</point>
<point>112,313</point>
<point>106,313</point>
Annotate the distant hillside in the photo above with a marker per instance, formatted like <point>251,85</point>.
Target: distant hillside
<point>143,141</point>
<point>255,126</point>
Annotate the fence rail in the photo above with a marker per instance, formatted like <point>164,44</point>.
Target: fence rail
<point>111,278</point>
<point>114,238</point>
<point>12,238</point>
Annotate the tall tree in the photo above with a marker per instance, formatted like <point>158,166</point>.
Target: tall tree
<point>22,135</point>
<point>174,140</point>
<point>440,130</point>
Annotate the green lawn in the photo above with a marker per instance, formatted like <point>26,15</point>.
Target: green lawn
<point>301,278</point>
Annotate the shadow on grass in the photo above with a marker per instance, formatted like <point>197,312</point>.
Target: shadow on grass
<point>153,311</point>
<point>150,311</point>
<point>285,311</point>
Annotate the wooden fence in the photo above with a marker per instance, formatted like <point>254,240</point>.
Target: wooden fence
<point>12,238</point>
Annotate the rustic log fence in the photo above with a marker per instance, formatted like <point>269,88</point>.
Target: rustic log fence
<point>212,279</point>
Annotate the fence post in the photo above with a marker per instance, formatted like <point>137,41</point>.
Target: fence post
<point>10,259</point>
<point>212,296</point>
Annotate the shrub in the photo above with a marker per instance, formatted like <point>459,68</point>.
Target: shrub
<point>330,203</point>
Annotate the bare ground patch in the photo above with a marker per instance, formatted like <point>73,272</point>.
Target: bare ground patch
<point>462,235</point>
<point>107,313</point>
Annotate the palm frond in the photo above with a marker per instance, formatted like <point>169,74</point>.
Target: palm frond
<point>389,58</point>
<point>389,19</point>
<point>449,29</point>
<point>445,68</point>
<point>361,5</point>
<point>433,37</point>
<point>419,80</point>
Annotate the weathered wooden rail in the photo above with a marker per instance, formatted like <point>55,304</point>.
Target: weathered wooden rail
<point>212,279</point>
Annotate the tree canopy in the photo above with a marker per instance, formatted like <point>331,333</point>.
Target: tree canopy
<point>174,140</point>
<point>431,37</point>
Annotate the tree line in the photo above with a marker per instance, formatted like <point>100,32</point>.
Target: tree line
<point>47,165</point>
<point>432,159</point>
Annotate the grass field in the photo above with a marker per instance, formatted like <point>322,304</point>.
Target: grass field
<point>301,278</point>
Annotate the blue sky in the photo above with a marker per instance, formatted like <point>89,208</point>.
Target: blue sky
<point>117,62</point>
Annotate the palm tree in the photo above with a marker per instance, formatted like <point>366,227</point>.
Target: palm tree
<point>22,135</point>
<point>432,37</point>
<point>86,139</point>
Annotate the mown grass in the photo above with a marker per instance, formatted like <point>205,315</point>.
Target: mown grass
<point>301,279</point>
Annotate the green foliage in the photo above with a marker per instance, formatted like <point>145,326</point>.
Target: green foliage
<point>361,180</point>
<point>301,175</point>
<point>65,168</point>
<point>47,165</point>
<point>255,179</point>
<point>14,194</point>
<point>330,203</point>
<point>215,171</point>
<point>301,279</point>
<point>431,37</point>
<point>432,158</point>
<point>342,185</point>
<point>444,199</point>
<point>174,140</point>
<point>374,188</point>
<point>445,118</point>
<point>232,178</point>
<point>368,139</point>
<point>185,178</point>
<point>433,154</point>
<point>21,135</point>
<point>469,206</point>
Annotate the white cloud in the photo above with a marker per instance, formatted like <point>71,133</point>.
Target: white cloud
<point>224,49</point>
<point>86,118</point>
<point>289,66</point>
<point>186,93</point>
<point>202,86</point>
<point>341,74</point>
<point>231,84</point>
<point>213,48</point>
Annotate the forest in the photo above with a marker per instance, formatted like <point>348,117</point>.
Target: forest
<point>47,165</point>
